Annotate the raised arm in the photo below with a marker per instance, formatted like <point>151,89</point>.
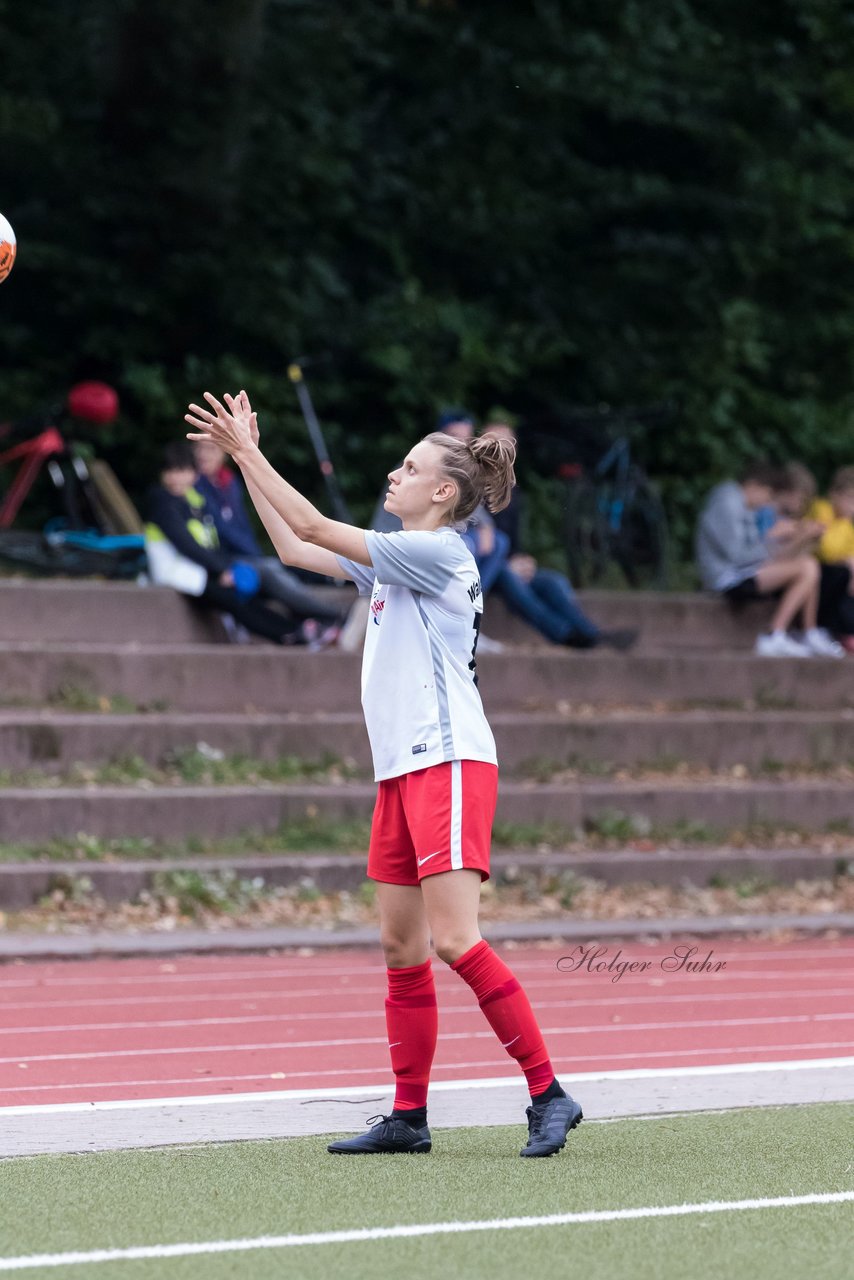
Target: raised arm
<point>301,534</point>
<point>289,548</point>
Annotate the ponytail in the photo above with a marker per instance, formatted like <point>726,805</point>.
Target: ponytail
<point>496,457</point>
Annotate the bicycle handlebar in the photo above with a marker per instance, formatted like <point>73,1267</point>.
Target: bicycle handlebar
<point>32,425</point>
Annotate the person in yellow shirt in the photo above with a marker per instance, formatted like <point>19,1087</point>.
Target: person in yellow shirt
<point>836,514</point>
<point>835,549</point>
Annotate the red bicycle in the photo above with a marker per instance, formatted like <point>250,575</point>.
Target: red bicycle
<point>99,530</point>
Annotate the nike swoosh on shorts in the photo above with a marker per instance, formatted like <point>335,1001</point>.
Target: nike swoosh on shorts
<point>421,861</point>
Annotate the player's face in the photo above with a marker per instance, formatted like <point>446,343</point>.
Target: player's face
<point>414,485</point>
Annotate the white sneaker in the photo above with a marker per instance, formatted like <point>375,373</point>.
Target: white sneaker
<point>779,644</point>
<point>485,645</point>
<point>821,644</point>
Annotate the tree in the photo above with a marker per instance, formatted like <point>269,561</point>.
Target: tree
<point>543,205</point>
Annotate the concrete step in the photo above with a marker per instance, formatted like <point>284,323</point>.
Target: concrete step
<point>74,612</point>
<point>665,620</point>
<point>32,609</point>
<point>23,884</point>
<point>177,812</point>
<point>263,678</point>
<point>53,741</point>
<point>122,612</point>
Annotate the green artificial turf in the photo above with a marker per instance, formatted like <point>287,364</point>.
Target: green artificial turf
<point>118,1199</point>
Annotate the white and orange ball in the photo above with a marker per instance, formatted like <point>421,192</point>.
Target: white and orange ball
<point>8,247</point>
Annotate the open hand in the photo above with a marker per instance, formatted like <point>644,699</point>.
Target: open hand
<point>243,401</point>
<point>232,426</point>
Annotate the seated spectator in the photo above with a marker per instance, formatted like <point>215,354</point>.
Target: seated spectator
<point>784,521</point>
<point>737,560</point>
<point>544,598</point>
<point>790,527</point>
<point>835,519</point>
<point>183,552</point>
<point>223,493</point>
<point>835,514</point>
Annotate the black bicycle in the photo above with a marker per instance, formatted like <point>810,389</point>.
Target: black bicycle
<point>613,516</point>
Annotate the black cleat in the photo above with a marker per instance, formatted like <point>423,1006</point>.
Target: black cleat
<point>548,1125</point>
<point>391,1136</point>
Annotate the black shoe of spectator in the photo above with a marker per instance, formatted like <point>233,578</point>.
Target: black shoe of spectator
<point>576,641</point>
<point>619,639</point>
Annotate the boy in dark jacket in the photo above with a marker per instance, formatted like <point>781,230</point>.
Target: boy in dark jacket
<point>223,493</point>
<point>184,552</point>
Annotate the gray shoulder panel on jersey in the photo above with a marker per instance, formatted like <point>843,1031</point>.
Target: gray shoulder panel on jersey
<point>363,575</point>
<point>418,559</point>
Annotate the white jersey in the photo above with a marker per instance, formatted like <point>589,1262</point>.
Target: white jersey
<point>419,690</point>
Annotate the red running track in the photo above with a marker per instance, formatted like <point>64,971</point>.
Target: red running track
<point>148,1028</point>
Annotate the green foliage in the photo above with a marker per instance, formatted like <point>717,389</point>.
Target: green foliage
<point>540,205</point>
<point>191,893</point>
<point>68,890</point>
<point>746,887</point>
<point>611,824</point>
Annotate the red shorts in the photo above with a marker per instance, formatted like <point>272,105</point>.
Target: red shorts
<point>435,819</point>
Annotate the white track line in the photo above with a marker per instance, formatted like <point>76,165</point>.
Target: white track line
<point>581,982</point>
<point>416,1229</point>
<point>250,1019</point>
<point>565,1062</point>
<point>498,1102</point>
<point>689,986</point>
<point>312,966</point>
<point>595,1028</point>
<point>450,1066</point>
<point>612,994</point>
<point>438,1086</point>
<point>447,1010</point>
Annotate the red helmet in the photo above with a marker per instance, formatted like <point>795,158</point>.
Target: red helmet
<point>94,402</point>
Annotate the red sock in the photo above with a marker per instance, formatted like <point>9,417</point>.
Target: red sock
<point>412,1020</point>
<point>508,1011</point>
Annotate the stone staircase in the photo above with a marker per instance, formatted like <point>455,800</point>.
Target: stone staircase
<point>688,732</point>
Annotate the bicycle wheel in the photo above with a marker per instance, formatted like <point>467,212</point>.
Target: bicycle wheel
<point>27,551</point>
<point>641,542</point>
<point>35,553</point>
<point>585,533</point>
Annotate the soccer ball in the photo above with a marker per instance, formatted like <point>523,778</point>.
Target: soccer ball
<point>8,247</point>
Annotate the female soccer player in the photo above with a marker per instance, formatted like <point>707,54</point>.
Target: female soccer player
<point>433,750</point>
